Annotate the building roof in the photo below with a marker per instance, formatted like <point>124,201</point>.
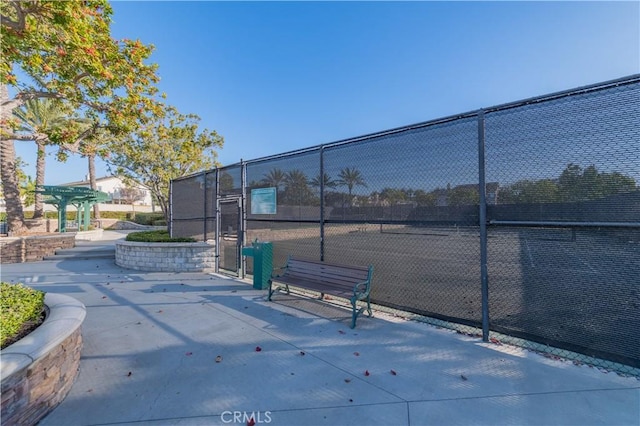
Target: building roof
<point>86,182</point>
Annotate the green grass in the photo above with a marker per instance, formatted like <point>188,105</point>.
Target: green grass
<point>21,311</point>
<point>159,236</point>
<point>141,218</point>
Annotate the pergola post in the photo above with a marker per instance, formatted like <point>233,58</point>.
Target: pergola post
<point>62,215</point>
<point>86,205</point>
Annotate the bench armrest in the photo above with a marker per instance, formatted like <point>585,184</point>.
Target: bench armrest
<point>277,268</point>
<point>362,287</point>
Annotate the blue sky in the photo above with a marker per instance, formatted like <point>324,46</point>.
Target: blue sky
<point>278,76</point>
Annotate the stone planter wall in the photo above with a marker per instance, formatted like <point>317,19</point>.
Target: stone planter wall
<point>33,248</point>
<point>166,257</point>
<point>39,370</point>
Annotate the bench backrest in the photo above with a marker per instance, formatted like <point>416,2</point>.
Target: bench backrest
<point>336,275</point>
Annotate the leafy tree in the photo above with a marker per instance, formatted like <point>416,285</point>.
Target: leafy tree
<point>616,183</point>
<point>573,185</point>
<point>528,191</point>
<point>166,148</point>
<point>424,198</point>
<point>576,184</point>
<point>130,195</point>
<point>393,195</point>
<point>570,183</point>
<point>351,177</point>
<point>28,191</point>
<point>463,195</point>
<point>66,51</point>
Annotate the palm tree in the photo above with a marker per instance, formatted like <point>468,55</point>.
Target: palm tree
<point>274,178</point>
<point>351,177</point>
<point>40,118</point>
<point>325,181</point>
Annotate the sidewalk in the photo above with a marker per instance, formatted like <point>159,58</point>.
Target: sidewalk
<point>182,349</point>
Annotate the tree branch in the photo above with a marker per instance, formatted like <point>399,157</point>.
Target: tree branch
<point>79,77</point>
<point>6,136</point>
<point>15,25</point>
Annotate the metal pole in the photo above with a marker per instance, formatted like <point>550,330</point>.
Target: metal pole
<point>217,269</point>
<point>322,203</point>
<point>243,218</point>
<point>170,208</point>
<point>484,278</point>
<point>204,207</point>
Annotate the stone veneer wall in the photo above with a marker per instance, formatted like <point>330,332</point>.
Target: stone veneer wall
<point>39,370</point>
<point>33,248</point>
<point>165,257</point>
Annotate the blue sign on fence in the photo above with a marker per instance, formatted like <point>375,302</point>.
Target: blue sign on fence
<point>263,201</point>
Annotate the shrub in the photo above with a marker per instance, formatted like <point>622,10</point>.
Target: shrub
<point>160,236</point>
<point>21,309</point>
<point>147,218</point>
<point>114,215</point>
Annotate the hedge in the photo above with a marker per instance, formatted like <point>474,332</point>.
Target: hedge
<point>159,236</point>
<point>140,218</point>
<point>21,309</point>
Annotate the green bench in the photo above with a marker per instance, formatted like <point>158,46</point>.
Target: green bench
<point>348,282</point>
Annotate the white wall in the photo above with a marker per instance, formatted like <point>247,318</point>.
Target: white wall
<point>112,186</point>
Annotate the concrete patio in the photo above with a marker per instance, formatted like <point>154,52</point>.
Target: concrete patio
<point>203,349</point>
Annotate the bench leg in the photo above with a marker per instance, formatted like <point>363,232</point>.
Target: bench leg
<point>273,290</point>
<point>369,306</point>
<point>354,315</point>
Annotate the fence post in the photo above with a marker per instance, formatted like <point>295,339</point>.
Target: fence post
<point>242,261</point>
<point>217,248</point>
<point>322,203</point>
<point>204,207</point>
<point>170,208</point>
<point>484,279</point>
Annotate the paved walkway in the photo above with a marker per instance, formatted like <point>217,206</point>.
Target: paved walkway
<point>201,349</point>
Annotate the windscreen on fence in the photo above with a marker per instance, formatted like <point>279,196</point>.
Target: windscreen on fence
<point>188,207</point>
<point>407,204</point>
<point>573,160</point>
<point>561,194</point>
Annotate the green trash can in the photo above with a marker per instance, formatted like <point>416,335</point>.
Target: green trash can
<point>262,253</point>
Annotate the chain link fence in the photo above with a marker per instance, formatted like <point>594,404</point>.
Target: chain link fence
<point>519,222</point>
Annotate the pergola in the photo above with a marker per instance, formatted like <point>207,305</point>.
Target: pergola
<point>82,198</point>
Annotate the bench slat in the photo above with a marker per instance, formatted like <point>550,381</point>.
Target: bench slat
<point>320,287</point>
<point>329,268</point>
<point>328,274</point>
